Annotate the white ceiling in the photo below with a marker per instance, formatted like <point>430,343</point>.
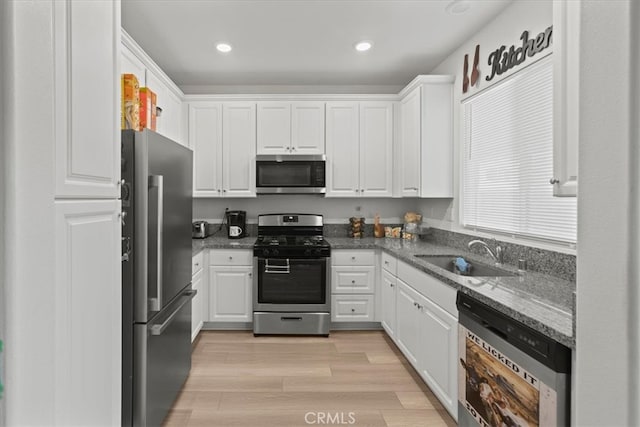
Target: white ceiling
<point>300,42</point>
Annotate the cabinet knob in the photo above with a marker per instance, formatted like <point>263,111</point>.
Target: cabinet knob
<point>353,258</point>
<point>230,258</point>
<point>224,191</point>
<point>197,264</point>
<point>386,262</point>
<point>554,181</point>
<point>353,310</point>
<point>391,284</point>
<point>353,281</point>
<point>219,190</point>
<point>250,274</point>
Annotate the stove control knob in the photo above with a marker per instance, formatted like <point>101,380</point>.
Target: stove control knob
<point>265,252</point>
<point>307,252</point>
<point>317,251</point>
<point>275,252</point>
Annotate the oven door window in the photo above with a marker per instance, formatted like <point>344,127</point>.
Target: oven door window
<point>292,281</point>
<point>286,174</point>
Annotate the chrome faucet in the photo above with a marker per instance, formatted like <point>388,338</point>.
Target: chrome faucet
<point>498,255</point>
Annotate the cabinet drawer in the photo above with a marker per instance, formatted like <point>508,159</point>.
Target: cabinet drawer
<point>389,263</point>
<point>352,308</point>
<point>353,257</point>
<point>438,292</point>
<point>197,263</point>
<point>230,257</point>
<point>352,280</point>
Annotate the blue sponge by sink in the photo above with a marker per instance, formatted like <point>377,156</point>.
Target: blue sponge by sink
<point>462,265</point>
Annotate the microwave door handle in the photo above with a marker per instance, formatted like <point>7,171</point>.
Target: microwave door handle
<point>157,181</point>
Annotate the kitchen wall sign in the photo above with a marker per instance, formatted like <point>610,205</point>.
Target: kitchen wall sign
<point>502,60</point>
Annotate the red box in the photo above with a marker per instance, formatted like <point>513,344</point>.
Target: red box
<point>148,101</point>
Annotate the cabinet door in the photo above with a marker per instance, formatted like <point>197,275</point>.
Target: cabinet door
<point>408,334</point>
<point>376,149</point>
<point>410,121</point>
<point>566,97</point>
<point>169,122</point>
<point>197,305</point>
<point>274,128</point>
<point>86,39</point>
<point>205,139</point>
<point>388,303</point>
<point>88,313</point>
<point>343,152</point>
<point>439,355</point>
<point>230,294</point>
<point>130,64</point>
<point>307,128</point>
<point>437,140</point>
<point>239,149</point>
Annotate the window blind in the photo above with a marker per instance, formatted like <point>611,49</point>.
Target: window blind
<point>508,159</point>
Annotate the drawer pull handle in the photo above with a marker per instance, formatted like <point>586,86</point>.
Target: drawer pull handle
<point>283,318</point>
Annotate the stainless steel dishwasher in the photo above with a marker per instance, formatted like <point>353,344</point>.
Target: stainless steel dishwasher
<point>508,373</point>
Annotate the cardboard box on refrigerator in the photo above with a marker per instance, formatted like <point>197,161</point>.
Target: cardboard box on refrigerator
<point>148,101</point>
<point>130,102</point>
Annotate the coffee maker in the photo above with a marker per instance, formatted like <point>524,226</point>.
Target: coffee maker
<point>236,224</point>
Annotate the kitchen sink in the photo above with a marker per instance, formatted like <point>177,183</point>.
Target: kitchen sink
<point>477,269</point>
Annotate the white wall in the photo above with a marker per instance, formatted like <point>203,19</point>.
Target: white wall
<point>607,326</point>
<point>29,145</point>
<point>334,210</point>
<point>505,29</point>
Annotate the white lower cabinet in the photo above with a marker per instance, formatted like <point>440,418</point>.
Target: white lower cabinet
<point>353,279</point>
<point>230,286</point>
<point>419,314</point>
<point>88,316</point>
<point>199,301</point>
<point>388,303</point>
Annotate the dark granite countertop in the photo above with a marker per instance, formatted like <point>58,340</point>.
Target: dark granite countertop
<point>544,303</point>
<point>215,242</point>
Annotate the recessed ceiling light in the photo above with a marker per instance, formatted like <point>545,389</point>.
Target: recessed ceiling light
<point>224,47</point>
<point>363,46</point>
<point>458,7</point>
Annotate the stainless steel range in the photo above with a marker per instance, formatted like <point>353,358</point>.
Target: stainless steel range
<point>291,288</point>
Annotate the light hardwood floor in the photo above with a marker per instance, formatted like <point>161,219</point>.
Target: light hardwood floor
<point>351,378</point>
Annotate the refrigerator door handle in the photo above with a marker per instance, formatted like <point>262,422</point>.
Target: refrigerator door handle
<point>159,328</point>
<point>157,181</point>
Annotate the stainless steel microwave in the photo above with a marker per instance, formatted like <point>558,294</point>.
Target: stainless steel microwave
<point>290,174</point>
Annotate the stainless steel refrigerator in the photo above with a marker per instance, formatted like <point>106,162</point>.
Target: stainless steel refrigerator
<point>156,274</point>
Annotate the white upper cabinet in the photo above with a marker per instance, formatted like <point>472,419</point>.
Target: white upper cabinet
<point>171,122</point>
<point>223,139</point>
<point>239,149</point>
<point>290,127</point>
<point>86,37</point>
<point>410,143</point>
<point>426,138</point>
<point>343,149</point>
<point>359,149</point>
<point>376,149</point>
<point>130,64</point>
<point>566,97</point>
<point>205,139</point>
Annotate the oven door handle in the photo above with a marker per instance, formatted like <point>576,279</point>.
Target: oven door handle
<point>277,269</point>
